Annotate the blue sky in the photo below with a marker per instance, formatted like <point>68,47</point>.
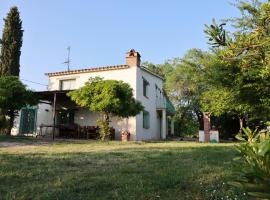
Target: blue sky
<point>100,32</point>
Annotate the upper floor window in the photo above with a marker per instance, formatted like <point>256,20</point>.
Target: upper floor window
<point>145,87</point>
<point>68,84</point>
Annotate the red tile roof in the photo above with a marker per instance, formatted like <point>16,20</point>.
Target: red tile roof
<point>87,70</point>
<point>98,69</point>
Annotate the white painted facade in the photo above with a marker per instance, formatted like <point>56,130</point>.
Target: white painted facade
<point>131,73</point>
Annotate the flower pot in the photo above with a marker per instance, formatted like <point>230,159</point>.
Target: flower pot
<point>125,136</point>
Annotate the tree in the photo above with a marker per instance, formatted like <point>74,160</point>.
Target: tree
<point>162,70</point>
<point>107,97</point>
<point>188,81</point>
<point>245,55</point>
<point>11,44</point>
<point>13,96</point>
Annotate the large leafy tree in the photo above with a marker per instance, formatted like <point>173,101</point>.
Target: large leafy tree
<point>188,81</point>
<point>107,97</point>
<point>13,96</point>
<point>11,44</point>
<point>245,55</point>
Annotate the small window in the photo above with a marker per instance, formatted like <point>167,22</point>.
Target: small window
<point>146,119</point>
<point>145,87</point>
<point>67,84</point>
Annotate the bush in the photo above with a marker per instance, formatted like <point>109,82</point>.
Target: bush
<point>3,124</point>
<point>254,175</point>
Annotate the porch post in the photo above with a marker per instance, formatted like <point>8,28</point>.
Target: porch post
<point>172,126</point>
<point>167,126</point>
<point>54,107</point>
<point>164,124</point>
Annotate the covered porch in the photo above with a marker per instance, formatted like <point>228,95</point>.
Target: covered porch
<point>65,123</point>
<point>166,112</point>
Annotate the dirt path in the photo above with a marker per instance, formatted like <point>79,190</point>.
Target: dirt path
<point>16,144</point>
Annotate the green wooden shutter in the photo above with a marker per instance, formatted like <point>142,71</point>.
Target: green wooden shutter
<point>28,120</point>
<point>146,119</point>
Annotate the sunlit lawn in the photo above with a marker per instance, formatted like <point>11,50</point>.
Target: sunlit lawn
<point>115,170</point>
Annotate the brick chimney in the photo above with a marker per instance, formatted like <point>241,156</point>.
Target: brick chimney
<point>133,58</point>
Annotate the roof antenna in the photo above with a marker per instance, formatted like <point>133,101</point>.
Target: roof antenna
<point>68,61</point>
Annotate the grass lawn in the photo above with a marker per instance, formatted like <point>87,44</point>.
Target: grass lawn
<point>115,170</point>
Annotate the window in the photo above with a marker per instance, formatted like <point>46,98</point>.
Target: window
<point>146,119</point>
<point>67,84</point>
<point>145,87</point>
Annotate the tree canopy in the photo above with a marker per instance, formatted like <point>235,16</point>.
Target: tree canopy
<point>245,57</point>
<point>107,97</point>
<point>11,44</point>
<point>232,79</point>
<point>13,96</point>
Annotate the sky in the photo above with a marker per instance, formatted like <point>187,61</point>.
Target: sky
<point>100,32</point>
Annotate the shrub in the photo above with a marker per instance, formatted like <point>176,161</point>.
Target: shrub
<point>254,175</point>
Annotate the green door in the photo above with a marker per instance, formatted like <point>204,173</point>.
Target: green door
<point>28,120</point>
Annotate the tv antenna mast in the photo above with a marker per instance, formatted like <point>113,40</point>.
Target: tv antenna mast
<point>68,61</point>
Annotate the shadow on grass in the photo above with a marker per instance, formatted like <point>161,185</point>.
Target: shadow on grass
<point>21,138</point>
<point>155,173</point>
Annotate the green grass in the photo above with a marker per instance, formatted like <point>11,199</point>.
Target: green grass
<point>115,170</point>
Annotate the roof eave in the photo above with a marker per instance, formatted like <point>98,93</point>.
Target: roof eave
<point>87,70</point>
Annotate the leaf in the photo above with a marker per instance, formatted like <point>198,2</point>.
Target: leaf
<point>237,158</point>
<point>264,147</point>
<point>259,195</point>
<point>235,184</point>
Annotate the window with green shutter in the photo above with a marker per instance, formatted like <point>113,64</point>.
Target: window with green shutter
<point>145,87</point>
<point>146,119</point>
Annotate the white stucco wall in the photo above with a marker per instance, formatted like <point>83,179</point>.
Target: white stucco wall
<point>149,103</point>
<point>127,75</point>
<point>84,117</point>
<point>44,117</point>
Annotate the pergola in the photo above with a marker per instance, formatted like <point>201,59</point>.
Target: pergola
<point>51,97</point>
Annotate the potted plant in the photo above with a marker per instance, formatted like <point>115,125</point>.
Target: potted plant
<point>125,135</point>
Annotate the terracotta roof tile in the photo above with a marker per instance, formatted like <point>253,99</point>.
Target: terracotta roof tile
<point>87,70</point>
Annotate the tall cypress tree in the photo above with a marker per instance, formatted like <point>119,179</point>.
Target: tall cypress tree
<point>11,44</point>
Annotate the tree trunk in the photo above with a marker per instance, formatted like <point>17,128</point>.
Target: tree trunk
<point>11,122</point>
<point>241,123</point>
<point>106,116</point>
<point>127,119</point>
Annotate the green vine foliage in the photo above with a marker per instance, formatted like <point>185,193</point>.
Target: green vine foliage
<point>104,130</point>
<point>254,175</point>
